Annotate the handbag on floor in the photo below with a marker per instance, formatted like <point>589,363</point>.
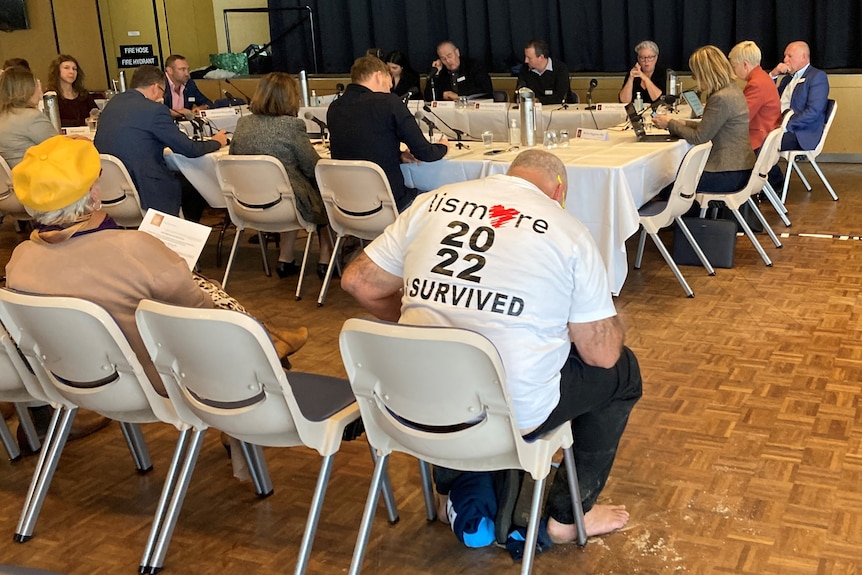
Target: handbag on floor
<point>717,239</point>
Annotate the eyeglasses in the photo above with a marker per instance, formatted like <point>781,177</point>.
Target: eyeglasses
<point>647,58</point>
<point>162,88</point>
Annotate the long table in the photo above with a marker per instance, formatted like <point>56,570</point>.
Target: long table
<point>608,182</point>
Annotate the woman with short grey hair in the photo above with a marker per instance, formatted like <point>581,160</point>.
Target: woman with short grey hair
<point>646,76</point>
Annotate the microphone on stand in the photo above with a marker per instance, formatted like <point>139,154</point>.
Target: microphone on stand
<point>231,99</point>
<point>238,89</point>
<point>668,99</point>
<point>339,91</point>
<point>593,84</point>
<point>421,117</point>
<point>320,123</point>
<point>458,133</point>
<point>406,97</point>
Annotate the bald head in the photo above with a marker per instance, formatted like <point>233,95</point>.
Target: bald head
<point>797,55</point>
<point>544,170</point>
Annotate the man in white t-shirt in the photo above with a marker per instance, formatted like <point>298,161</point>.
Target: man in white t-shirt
<point>502,257</point>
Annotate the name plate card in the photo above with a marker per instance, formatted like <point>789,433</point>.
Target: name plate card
<point>616,106</point>
<point>491,106</point>
<point>590,134</point>
<point>443,104</point>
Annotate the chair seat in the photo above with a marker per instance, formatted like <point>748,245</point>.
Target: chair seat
<point>652,208</point>
<point>319,396</point>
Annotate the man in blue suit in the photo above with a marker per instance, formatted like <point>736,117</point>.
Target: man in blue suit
<point>804,90</point>
<point>182,95</point>
<point>136,127</point>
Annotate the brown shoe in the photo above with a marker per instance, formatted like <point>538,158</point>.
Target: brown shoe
<point>288,341</point>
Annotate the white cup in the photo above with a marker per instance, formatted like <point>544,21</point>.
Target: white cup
<point>488,138</point>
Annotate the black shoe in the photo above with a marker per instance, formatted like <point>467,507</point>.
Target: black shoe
<point>507,486</point>
<point>321,271</point>
<point>285,269</point>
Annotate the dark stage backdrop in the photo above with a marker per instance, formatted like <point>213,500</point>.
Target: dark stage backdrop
<point>589,35</point>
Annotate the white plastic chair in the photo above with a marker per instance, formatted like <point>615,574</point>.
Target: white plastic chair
<point>259,195</point>
<point>660,214</point>
<point>756,182</point>
<point>358,202</point>
<point>792,156</point>
<point>768,162</point>
<point>439,394</point>
<point>9,204</point>
<point>19,386</point>
<point>82,359</point>
<point>118,193</point>
<point>220,369</point>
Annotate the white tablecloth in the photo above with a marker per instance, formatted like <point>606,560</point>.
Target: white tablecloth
<point>475,121</point>
<point>201,173</point>
<point>608,182</point>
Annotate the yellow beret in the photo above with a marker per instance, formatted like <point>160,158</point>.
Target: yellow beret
<point>56,173</point>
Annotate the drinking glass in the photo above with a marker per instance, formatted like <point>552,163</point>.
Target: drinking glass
<point>563,139</point>
<point>550,139</point>
<point>488,138</point>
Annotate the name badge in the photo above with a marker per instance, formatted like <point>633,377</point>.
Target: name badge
<point>460,78</point>
<point>549,92</point>
<point>191,98</point>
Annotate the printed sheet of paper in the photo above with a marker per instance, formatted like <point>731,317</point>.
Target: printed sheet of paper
<point>186,238</point>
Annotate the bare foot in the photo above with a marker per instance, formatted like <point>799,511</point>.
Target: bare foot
<point>599,520</point>
<point>442,516</point>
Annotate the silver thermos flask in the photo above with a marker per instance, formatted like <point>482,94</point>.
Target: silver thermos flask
<point>122,81</point>
<point>303,88</point>
<point>528,116</point>
<point>52,109</point>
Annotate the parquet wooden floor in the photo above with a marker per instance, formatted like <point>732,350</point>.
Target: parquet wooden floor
<point>743,457</point>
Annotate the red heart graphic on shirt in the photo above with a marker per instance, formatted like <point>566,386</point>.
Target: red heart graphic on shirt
<point>500,215</point>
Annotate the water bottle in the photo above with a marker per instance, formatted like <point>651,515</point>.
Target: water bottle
<point>51,107</point>
<point>303,87</point>
<point>314,98</point>
<point>122,81</point>
<point>670,84</point>
<point>514,133</point>
<point>639,102</point>
<point>528,116</point>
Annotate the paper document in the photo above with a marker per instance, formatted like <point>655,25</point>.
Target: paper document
<point>186,238</point>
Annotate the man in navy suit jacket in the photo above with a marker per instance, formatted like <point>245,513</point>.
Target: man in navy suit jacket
<point>182,96</point>
<point>805,90</point>
<point>136,128</point>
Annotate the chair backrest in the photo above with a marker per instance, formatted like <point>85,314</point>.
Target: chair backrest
<point>685,186</point>
<point>201,173</point>
<point>220,367</point>
<point>17,381</point>
<point>769,153</point>
<point>500,96</point>
<point>9,204</point>
<point>118,194</point>
<point>258,194</point>
<point>357,197</point>
<point>438,394</point>
<point>831,110</point>
<point>76,349</point>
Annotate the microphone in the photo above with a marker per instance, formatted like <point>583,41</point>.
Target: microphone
<point>231,98</point>
<point>312,118</point>
<point>434,71</point>
<point>238,89</point>
<point>421,117</point>
<point>593,84</point>
<point>667,99</point>
<point>406,97</point>
<point>339,91</point>
<point>458,133</point>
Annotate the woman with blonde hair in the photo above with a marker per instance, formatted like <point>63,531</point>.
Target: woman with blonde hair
<point>22,125</point>
<point>275,130</point>
<point>66,78</point>
<point>764,105</point>
<point>724,122</point>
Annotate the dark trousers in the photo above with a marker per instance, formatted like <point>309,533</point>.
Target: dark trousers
<point>597,401</point>
<point>776,177</point>
<point>193,203</point>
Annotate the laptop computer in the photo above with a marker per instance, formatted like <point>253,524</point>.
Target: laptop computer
<point>640,132</point>
<point>692,99</point>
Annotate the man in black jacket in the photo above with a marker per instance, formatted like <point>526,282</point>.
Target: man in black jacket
<point>368,122</point>
<point>547,78</point>
<point>461,76</point>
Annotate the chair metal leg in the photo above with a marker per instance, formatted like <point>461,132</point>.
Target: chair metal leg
<point>173,494</point>
<point>231,257</point>
<point>386,491</point>
<point>220,242</point>
<point>335,249</point>
<point>260,236</point>
<point>801,175</point>
<point>671,264</point>
<point>773,198</point>
<point>427,490</point>
<point>575,493</point>
<point>533,528</point>
<point>790,164</point>
<point>641,245</point>
<point>25,421</point>
<point>302,269</point>
<point>58,431</point>
<point>9,442</point>
<point>137,446</point>
<point>314,514</point>
<point>764,223</point>
<point>257,468</point>
<point>751,236</point>
<point>368,516</point>
<point>824,180</point>
<point>695,246</point>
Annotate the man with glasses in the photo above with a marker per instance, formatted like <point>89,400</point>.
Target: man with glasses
<point>646,76</point>
<point>136,127</point>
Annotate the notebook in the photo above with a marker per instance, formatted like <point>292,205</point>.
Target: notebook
<point>694,102</point>
<point>640,132</point>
